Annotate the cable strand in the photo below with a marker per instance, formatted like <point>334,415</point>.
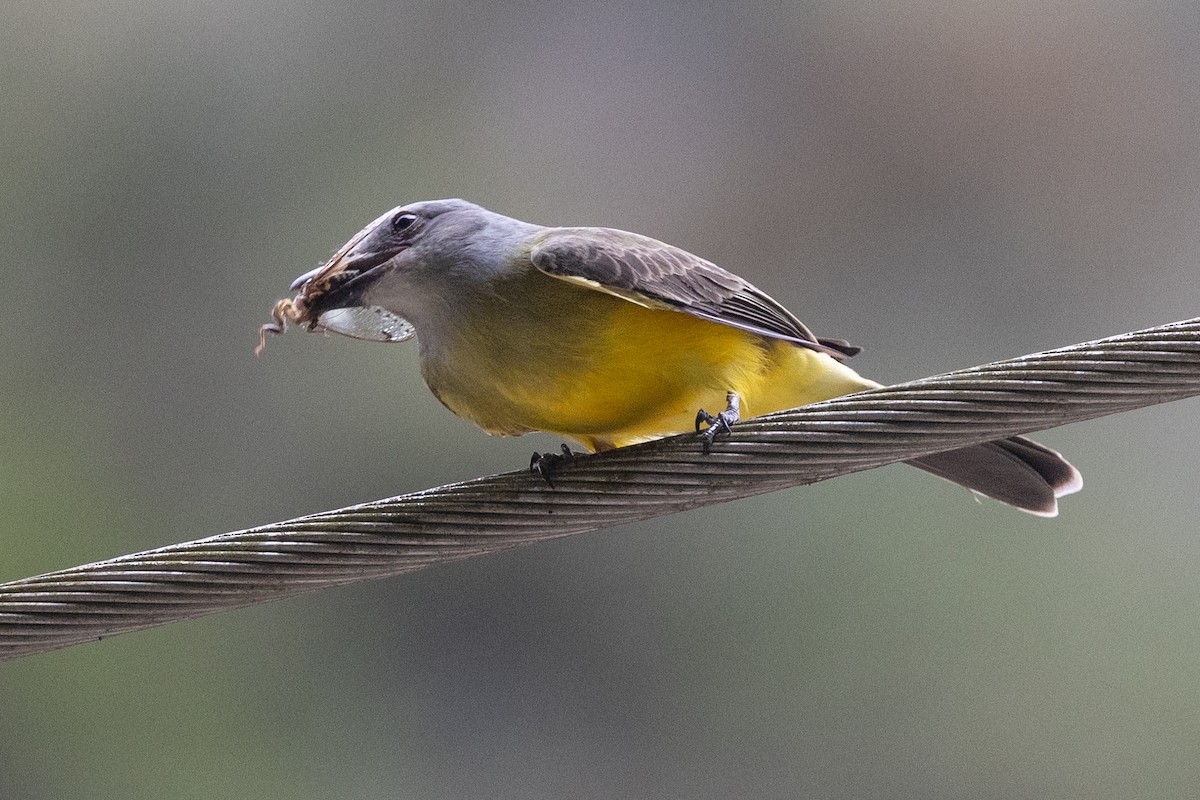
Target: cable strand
<point>487,515</point>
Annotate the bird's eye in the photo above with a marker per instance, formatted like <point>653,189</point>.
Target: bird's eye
<point>403,221</point>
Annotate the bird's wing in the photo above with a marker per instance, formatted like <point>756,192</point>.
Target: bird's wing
<point>657,275</point>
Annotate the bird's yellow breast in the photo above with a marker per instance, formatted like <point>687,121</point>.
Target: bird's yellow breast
<point>542,354</point>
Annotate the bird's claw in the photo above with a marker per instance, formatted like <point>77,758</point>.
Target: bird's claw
<point>718,423</point>
<point>544,464</point>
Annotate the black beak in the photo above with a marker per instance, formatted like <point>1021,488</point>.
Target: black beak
<point>350,265</point>
<point>305,278</point>
<point>363,252</point>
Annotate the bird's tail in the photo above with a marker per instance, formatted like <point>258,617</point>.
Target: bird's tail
<point>1017,471</point>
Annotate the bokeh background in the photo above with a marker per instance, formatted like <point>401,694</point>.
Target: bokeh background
<point>945,183</point>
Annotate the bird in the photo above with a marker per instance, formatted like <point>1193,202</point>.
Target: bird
<point>605,337</point>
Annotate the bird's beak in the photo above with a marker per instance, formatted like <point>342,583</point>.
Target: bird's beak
<point>306,277</point>
<point>334,295</point>
<point>362,253</point>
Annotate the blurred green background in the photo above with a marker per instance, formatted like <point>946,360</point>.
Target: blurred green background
<point>945,183</point>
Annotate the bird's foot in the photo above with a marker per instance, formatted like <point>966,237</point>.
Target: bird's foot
<point>544,464</point>
<point>719,422</point>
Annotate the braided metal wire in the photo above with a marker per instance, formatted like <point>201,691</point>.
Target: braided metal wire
<point>487,515</point>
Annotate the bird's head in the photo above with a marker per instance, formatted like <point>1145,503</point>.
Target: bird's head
<point>413,257</point>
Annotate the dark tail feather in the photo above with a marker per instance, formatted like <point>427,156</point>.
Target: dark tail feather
<point>1017,471</point>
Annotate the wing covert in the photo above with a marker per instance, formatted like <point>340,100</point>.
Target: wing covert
<point>657,275</point>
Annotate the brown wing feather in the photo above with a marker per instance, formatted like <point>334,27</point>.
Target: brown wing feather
<point>651,273</point>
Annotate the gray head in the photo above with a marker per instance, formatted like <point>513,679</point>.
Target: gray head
<point>418,258</point>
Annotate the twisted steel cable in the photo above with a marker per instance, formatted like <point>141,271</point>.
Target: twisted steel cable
<point>487,515</point>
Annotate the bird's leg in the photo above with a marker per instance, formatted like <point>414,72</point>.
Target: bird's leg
<point>544,464</point>
<point>720,422</point>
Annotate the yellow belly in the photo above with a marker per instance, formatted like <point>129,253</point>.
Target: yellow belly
<point>608,372</point>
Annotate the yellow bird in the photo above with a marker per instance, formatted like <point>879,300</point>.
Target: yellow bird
<point>604,336</point>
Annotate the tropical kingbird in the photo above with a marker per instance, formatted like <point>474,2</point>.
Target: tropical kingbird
<point>603,336</point>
